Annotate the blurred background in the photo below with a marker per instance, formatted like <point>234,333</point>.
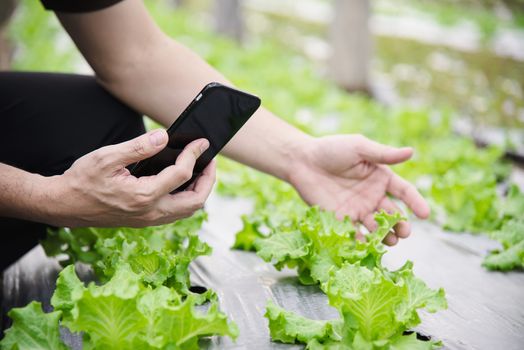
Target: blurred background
<point>444,76</point>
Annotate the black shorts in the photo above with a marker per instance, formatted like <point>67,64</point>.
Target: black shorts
<point>47,121</point>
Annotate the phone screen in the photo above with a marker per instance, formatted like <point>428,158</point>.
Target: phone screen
<point>216,114</point>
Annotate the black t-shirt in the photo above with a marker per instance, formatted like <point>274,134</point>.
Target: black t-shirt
<point>77,5</point>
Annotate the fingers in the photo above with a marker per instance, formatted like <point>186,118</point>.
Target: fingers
<point>176,175</point>
<point>403,228</point>
<point>370,223</point>
<point>129,152</point>
<point>204,183</point>
<point>382,154</point>
<point>407,193</point>
<point>202,187</point>
<point>390,239</point>
<point>190,201</point>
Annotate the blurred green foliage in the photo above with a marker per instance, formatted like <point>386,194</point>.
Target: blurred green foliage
<point>486,89</point>
<point>41,43</point>
<point>487,15</point>
<point>480,85</point>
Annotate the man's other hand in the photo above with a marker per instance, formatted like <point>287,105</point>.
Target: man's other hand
<point>349,174</point>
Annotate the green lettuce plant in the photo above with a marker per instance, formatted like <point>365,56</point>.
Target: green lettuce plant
<point>144,299</point>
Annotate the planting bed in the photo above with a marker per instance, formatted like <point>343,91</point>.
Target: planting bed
<point>485,309</point>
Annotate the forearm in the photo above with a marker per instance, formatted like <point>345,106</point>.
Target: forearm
<point>269,144</point>
<point>168,79</point>
<point>22,195</point>
<point>159,77</point>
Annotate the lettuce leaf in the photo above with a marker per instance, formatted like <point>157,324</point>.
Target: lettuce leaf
<point>33,329</point>
<point>376,305</point>
<point>318,241</point>
<point>125,314</point>
<point>159,255</point>
<point>245,238</point>
<point>143,302</point>
<point>469,199</point>
<point>513,204</point>
<point>376,309</point>
<point>511,236</point>
<point>288,327</point>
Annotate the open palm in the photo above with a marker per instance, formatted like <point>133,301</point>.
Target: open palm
<point>349,174</point>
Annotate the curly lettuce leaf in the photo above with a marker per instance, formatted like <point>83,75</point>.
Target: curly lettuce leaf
<point>469,199</point>
<point>83,244</point>
<point>312,244</point>
<point>511,236</point>
<point>33,329</point>
<point>125,314</point>
<point>183,325</point>
<point>368,301</point>
<point>69,289</point>
<point>419,295</point>
<point>283,248</point>
<point>159,255</point>
<point>245,238</point>
<point>288,327</point>
<point>267,218</point>
<point>376,305</point>
<point>513,204</point>
<point>319,241</point>
<point>376,308</point>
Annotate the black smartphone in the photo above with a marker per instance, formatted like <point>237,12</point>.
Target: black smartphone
<point>216,114</point>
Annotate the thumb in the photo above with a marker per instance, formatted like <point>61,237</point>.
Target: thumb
<point>382,154</point>
<point>139,148</point>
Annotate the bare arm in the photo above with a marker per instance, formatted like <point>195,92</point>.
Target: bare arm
<point>20,194</point>
<point>158,76</point>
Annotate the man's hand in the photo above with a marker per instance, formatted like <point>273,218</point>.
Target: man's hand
<point>98,190</point>
<point>348,174</point>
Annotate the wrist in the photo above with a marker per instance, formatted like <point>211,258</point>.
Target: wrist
<point>51,198</point>
<point>299,154</point>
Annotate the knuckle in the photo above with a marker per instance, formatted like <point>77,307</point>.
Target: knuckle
<point>184,174</point>
<point>196,152</point>
<point>405,188</point>
<point>101,157</point>
<point>139,148</point>
<point>358,143</point>
<point>153,217</point>
<point>197,206</point>
<point>143,198</point>
<point>197,202</point>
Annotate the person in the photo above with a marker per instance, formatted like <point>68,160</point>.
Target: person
<point>66,139</point>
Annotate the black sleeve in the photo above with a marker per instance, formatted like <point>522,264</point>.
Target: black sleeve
<point>77,5</point>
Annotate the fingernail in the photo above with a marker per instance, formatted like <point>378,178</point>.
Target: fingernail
<point>157,138</point>
<point>204,145</point>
